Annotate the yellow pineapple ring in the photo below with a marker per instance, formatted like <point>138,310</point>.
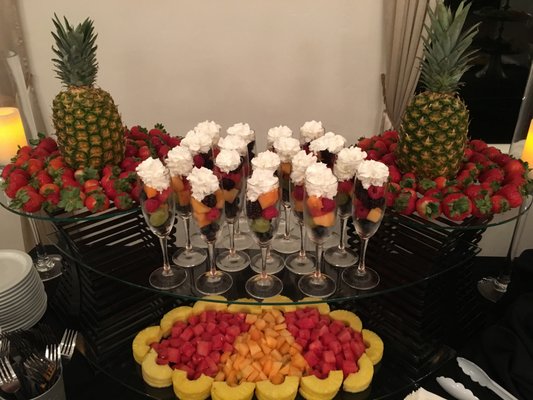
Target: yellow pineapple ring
<point>143,340</point>
<point>218,304</point>
<point>324,389</point>
<point>348,317</point>
<point>323,308</point>
<point>223,391</point>
<point>185,389</point>
<point>155,375</point>
<point>279,299</point>
<point>266,390</point>
<point>374,346</point>
<point>358,381</point>
<point>245,308</point>
<point>174,315</point>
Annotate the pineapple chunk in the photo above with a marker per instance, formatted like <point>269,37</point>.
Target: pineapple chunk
<point>324,389</point>
<point>143,340</point>
<point>185,389</point>
<point>216,305</point>
<point>323,308</point>
<point>287,390</point>
<point>279,299</point>
<point>349,318</point>
<point>245,308</point>
<point>174,315</point>
<point>222,391</point>
<point>374,346</point>
<point>360,380</point>
<point>155,375</point>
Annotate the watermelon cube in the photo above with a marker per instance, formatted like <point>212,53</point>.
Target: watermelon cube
<point>227,347</point>
<point>176,330</point>
<point>193,319</point>
<point>188,350</point>
<point>164,343</point>
<point>336,326</point>
<point>198,329</point>
<point>215,356</point>
<point>161,361</point>
<point>173,355</point>
<point>233,330</point>
<point>175,342</point>
<point>349,367</point>
<point>186,368</point>
<point>316,346</point>
<point>218,341</point>
<point>204,348</point>
<point>304,334</point>
<point>211,327</point>
<point>211,316</point>
<point>344,336</point>
<point>326,367</point>
<point>311,358</point>
<point>329,357</point>
<point>306,323</point>
<point>187,334</point>
<point>335,346</point>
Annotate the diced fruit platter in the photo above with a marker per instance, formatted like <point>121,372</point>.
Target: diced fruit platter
<point>230,352</point>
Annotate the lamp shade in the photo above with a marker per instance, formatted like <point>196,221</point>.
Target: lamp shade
<point>11,133</point>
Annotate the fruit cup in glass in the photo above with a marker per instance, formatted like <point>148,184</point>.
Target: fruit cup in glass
<point>368,210</point>
<point>320,213</point>
<point>262,202</point>
<point>159,213</point>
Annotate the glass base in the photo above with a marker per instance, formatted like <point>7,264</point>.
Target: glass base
<point>286,245</point>
<point>317,286</point>
<point>162,281</point>
<point>366,281</point>
<point>243,224</point>
<point>263,287</point>
<point>340,258</point>
<point>189,258</point>
<point>49,267</point>
<point>232,262</point>
<point>216,283</point>
<point>491,289</point>
<point>300,265</point>
<point>274,263</point>
<point>332,240</point>
<point>242,241</point>
<point>197,241</point>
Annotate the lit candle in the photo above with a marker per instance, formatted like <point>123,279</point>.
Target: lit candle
<point>11,134</point>
<point>527,153</point>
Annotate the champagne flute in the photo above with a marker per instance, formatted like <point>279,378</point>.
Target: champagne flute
<point>230,169</point>
<point>158,208</point>
<point>262,204</point>
<point>369,208</point>
<point>320,212</point>
<point>207,203</point>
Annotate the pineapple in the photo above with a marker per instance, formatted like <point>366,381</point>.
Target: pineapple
<point>434,127</point>
<point>87,122</point>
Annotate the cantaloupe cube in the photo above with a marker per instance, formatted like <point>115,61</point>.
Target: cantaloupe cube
<point>271,332</point>
<point>271,341</point>
<point>269,318</point>
<point>280,341</point>
<point>260,324</point>
<point>262,377</point>
<point>374,215</point>
<point>274,370</point>
<point>231,378</point>
<point>268,199</point>
<point>220,198</point>
<point>265,348</point>
<point>199,207</point>
<point>298,205</point>
<point>177,184</point>
<point>276,355</point>
<point>149,191</point>
<point>294,371</point>
<point>253,376</point>
<point>277,379</point>
<point>285,347</point>
<point>326,220</point>
<point>254,347</point>
<point>225,356</point>
<point>251,318</point>
<point>201,219</point>
<point>230,195</point>
<point>299,361</point>
<point>285,370</point>
<point>280,327</point>
<point>242,348</point>
<point>220,376</point>
<point>184,198</point>
<point>258,356</point>
<point>314,202</point>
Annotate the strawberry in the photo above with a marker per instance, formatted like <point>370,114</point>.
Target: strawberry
<point>151,205</point>
<point>270,213</point>
<point>344,186</point>
<point>477,158</point>
<point>54,165</point>
<point>91,185</point>
<point>14,183</point>
<point>428,207</point>
<point>163,151</point>
<point>40,153</point>
<point>137,132</point>
<point>477,145</point>
<point>96,202</point>
<point>434,192</point>
<point>499,204</point>
<point>481,206</point>
<point>110,170</point>
<point>514,166</point>
<point>24,150</point>
<point>405,202</point>
<point>388,159</point>
<point>441,182</point>
<point>28,200</point>
<point>162,196</point>
<point>129,164</point>
<point>392,147</point>
<point>512,194</point>
<point>372,155</point>
<point>136,191</point>
<point>464,178</point>
<point>456,206</point>
<point>173,141</point>
<point>449,190</point>
<point>491,152</point>
<point>49,189</point>
<point>380,146</point>
<point>198,161</point>
<point>41,178</point>
<point>425,184</point>
<point>235,177</point>
<point>128,176</point>
<point>468,153</point>
<point>131,150</point>
<point>144,152</point>
<point>474,191</point>
<point>408,181</point>
<point>47,143</point>
<point>361,211</point>
<point>502,159</point>
<point>390,135</point>
<point>298,192</point>
<point>65,181</point>
<point>394,174</point>
<point>7,170</point>
<point>213,214</point>
<point>34,165</point>
<point>123,201</point>
<point>328,205</point>
<point>71,198</point>
<point>473,168</point>
<point>113,186</point>
<point>365,143</point>
<point>376,192</point>
<point>493,176</point>
<point>392,193</point>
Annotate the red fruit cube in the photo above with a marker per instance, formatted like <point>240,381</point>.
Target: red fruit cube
<point>203,348</point>
<point>349,367</point>
<point>213,214</point>
<point>233,330</point>
<point>188,350</point>
<point>173,355</point>
<point>328,205</point>
<point>345,186</point>
<point>218,341</point>
<point>175,342</point>
<point>155,346</point>
<point>229,338</point>
<point>205,336</point>
<point>335,346</point>
<point>329,357</point>
<point>301,342</point>
<point>316,346</point>
<point>358,348</point>
<point>211,328</point>
<point>176,330</point>
<point>344,336</point>
<point>161,360</point>
<point>212,367</point>
<point>324,329</point>
<point>300,314</point>
<point>198,329</point>
<point>304,334</point>
<point>298,193</point>
<point>193,319</point>
<point>270,213</point>
<point>338,361</point>
<point>215,356</point>
<point>164,344</point>
<point>227,347</point>
<point>244,327</point>
<point>326,367</point>
<point>306,323</point>
<point>222,326</point>
<point>311,358</point>
<point>327,338</point>
<point>211,316</point>
<point>336,326</point>
<point>187,369</point>
<point>187,334</point>
<point>348,355</point>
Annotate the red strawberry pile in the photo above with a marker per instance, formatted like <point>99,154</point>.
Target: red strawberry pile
<point>489,182</point>
<point>38,178</point>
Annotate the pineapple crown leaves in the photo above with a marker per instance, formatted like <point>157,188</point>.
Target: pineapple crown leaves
<point>446,55</point>
<point>76,63</point>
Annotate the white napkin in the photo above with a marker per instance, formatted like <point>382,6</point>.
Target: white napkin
<point>423,394</point>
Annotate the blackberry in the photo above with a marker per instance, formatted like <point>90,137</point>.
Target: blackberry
<point>231,209</point>
<point>376,203</point>
<point>208,164</point>
<point>210,231</point>
<point>210,200</point>
<point>253,209</point>
<point>264,236</point>
<point>227,184</point>
<point>319,231</point>
<point>183,209</point>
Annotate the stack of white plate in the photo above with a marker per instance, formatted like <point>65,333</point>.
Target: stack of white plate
<point>22,295</point>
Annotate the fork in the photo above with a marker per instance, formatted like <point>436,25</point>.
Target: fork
<point>9,381</point>
<point>4,346</point>
<point>68,343</point>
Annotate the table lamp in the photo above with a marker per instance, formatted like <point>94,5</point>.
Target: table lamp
<point>11,134</point>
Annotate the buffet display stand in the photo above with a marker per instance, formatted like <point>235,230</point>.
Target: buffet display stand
<point>426,298</point>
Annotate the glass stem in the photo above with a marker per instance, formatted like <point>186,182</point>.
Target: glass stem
<point>318,270</point>
<point>361,267</point>
<point>39,248</point>
<point>231,229</point>
<point>342,239</point>
<point>237,225</point>
<point>186,225</point>
<point>166,264</point>
<point>265,250</point>
<point>287,209</point>
<point>302,240</point>
<point>211,262</point>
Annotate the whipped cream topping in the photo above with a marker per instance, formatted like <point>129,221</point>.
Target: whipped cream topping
<point>330,142</point>
<point>277,132</point>
<point>373,173</point>
<point>347,162</point>
<point>267,160</point>
<point>197,142</point>
<point>154,174</point>
<point>320,181</point>
<point>300,162</point>
<point>179,161</point>
<point>210,128</point>
<point>243,130</point>
<point>261,181</point>
<point>228,160</point>
<point>203,182</point>
<point>311,130</point>
<point>234,142</point>
<point>286,148</point>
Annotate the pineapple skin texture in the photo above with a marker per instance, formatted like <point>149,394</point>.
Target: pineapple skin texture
<point>89,127</point>
<point>433,135</point>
